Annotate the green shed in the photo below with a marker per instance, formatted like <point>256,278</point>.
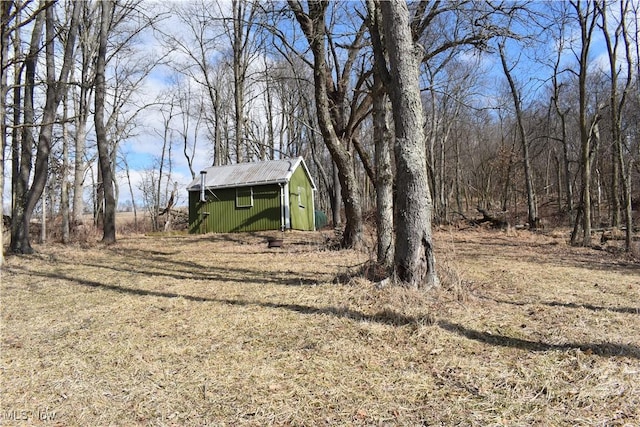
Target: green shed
<point>258,196</point>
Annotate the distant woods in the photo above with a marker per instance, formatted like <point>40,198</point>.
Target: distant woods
<point>526,110</point>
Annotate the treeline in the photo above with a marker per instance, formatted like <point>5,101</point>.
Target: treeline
<point>527,108</point>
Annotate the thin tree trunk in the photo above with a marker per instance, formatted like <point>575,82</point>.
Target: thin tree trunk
<point>458,182</point>
<point>565,143</point>
<point>532,204</point>
<point>239,71</point>
<point>384,181</point>
<point>64,196</point>
<point>270,128</point>
<point>81,109</point>
<point>617,102</point>
<point>218,158</point>
<point>587,20</point>
<point>626,185</point>
<point>383,140</point>
<point>16,134</point>
<point>133,199</point>
<point>22,163</point>
<point>5,12</point>
<point>43,216</point>
<point>80,164</point>
<point>559,181</point>
<point>567,167</point>
<point>54,94</point>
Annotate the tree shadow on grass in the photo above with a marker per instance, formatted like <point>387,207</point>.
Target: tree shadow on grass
<point>603,349</point>
<point>153,263</point>
<point>623,310</point>
<point>386,317</point>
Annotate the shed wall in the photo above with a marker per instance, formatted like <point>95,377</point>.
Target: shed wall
<point>301,201</point>
<point>225,217</point>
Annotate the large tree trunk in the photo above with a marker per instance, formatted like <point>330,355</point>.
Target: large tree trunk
<point>109,226</point>
<point>414,262</point>
<point>313,26</point>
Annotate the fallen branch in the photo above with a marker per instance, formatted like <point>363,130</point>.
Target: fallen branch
<point>493,218</point>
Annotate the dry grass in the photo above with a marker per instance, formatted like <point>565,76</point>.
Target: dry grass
<point>220,330</point>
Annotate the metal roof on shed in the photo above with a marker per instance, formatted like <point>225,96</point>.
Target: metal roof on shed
<point>247,174</point>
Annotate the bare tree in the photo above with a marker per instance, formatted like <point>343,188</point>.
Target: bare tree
<point>335,122</point>
<point>562,112</point>
<point>197,56</point>
<point>5,16</point>
<point>532,204</point>
<point>106,169</point>
<point>56,87</point>
<point>383,139</point>
<point>165,158</point>
<point>617,100</point>
<point>414,263</point>
<point>82,91</point>
<point>64,175</point>
<point>22,154</point>
<point>243,48</point>
<point>586,13</point>
<point>192,115</point>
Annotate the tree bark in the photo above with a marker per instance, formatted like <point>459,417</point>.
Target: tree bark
<point>587,21</point>
<point>20,241</point>
<point>104,159</point>
<point>238,76</point>
<point>22,162</point>
<point>532,204</point>
<point>5,13</point>
<point>64,181</point>
<point>563,126</point>
<point>617,102</point>
<point>82,107</point>
<point>313,26</point>
<point>414,262</point>
<point>383,140</point>
<point>384,181</point>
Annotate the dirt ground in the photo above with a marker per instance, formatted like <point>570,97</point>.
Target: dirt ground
<point>179,330</point>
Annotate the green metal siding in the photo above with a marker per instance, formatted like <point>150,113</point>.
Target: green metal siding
<point>219,213</point>
<point>301,201</point>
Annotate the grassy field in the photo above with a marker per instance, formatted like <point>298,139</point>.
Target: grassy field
<point>177,330</point>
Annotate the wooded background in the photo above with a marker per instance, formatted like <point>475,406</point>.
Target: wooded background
<point>528,108</point>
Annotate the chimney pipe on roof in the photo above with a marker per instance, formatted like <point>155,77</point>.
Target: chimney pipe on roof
<point>203,175</point>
